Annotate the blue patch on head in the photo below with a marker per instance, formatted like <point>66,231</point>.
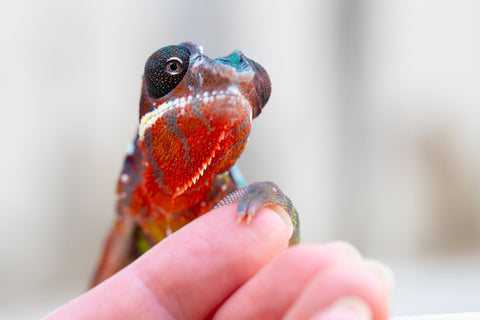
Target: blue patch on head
<point>236,60</point>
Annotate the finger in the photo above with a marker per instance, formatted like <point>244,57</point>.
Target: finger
<point>191,272</point>
<point>269,293</point>
<point>368,282</point>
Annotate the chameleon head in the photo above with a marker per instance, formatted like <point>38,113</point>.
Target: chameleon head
<point>196,113</point>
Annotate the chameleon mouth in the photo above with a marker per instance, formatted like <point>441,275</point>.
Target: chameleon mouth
<point>200,170</point>
<point>231,96</point>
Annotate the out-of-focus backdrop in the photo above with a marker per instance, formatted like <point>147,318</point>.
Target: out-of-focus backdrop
<point>373,128</point>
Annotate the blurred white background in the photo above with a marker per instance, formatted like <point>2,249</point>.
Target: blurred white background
<point>373,128</point>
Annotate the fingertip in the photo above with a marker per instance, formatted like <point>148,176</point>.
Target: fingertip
<point>266,217</point>
<point>346,249</point>
<point>273,218</point>
<point>340,281</point>
<point>285,218</point>
<point>345,308</point>
<point>383,272</point>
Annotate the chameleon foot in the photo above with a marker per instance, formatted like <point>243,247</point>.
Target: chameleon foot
<point>254,197</point>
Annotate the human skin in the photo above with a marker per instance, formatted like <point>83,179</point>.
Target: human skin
<point>216,267</point>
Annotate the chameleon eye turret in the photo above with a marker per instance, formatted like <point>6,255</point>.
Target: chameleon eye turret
<point>165,69</point>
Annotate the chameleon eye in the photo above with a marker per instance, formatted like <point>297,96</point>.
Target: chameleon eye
<point>165,69</point>
<point>174,66</point>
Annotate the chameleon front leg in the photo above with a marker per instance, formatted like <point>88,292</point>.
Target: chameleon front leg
<point>252,198</point>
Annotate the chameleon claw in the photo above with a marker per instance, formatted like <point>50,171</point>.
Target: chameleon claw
<point>253,198</point>
<point>266,194</point>
<point>239,219</point>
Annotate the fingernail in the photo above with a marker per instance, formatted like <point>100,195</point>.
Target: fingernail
<point>285,217</point>
<point>347,249</point>
<point>384,272</point>
<point>346,308</point>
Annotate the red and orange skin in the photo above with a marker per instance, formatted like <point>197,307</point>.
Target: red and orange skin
<point>195,120</point>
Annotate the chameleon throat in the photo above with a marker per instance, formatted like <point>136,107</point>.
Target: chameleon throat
<point>148,120</point>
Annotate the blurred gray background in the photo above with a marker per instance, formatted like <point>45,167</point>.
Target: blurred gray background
<point>373,128</point>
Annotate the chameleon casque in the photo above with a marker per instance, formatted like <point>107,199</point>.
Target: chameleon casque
<point>195,120</point>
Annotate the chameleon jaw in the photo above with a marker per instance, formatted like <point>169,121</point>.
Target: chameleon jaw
<point>232,94</point>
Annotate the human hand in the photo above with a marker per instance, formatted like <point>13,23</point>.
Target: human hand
<point>215,267</point>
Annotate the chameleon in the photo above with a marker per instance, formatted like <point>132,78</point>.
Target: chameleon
<point>194,122</point>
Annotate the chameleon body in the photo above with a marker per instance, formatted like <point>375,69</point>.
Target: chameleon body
<point>195,120</point>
